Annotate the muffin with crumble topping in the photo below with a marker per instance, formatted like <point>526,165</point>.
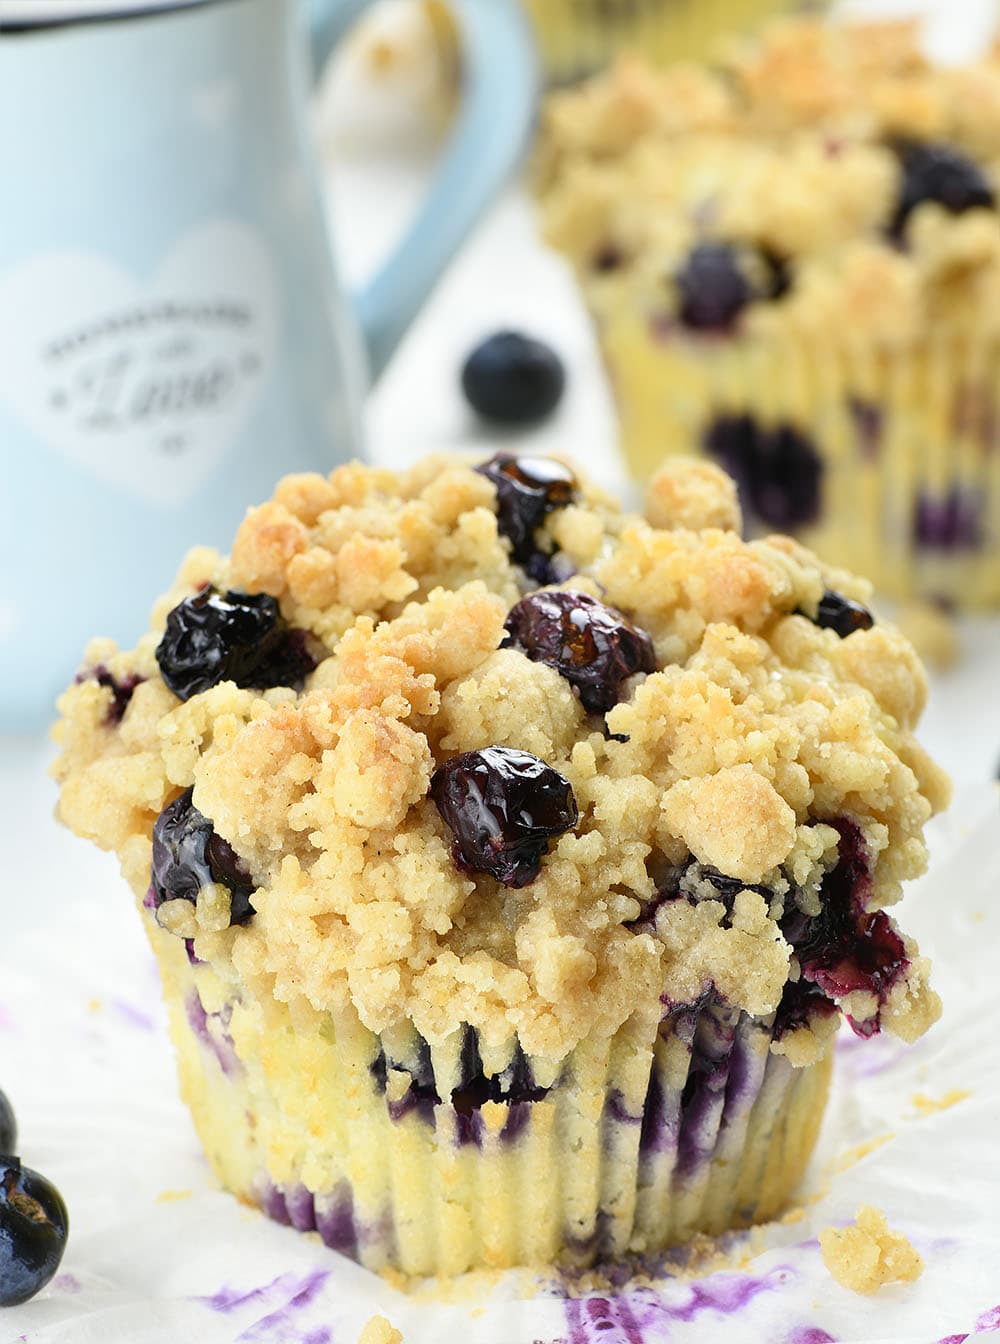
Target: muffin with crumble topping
<point>510,860</point>
<point>793,263</point>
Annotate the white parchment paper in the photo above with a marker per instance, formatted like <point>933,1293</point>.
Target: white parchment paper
<point>159,1255</point>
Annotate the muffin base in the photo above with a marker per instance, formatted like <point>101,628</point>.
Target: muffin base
<point>690,1124</point>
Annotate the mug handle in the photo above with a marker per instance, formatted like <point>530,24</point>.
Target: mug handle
<point>501,72</point>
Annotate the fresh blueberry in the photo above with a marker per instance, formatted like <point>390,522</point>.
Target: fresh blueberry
<point>8,1126</point>
<point>188,854</point>
<point>502,806</point>
<point>717,281</point>
<point>940,173</point>
<point>528,489</point>
<point>121,691</point>
<point>513,379</point>
<point>842,614</point>
<point>593,646</point>
<point>34,1226</point>
<point>232,636</point>
<point>778,471</point>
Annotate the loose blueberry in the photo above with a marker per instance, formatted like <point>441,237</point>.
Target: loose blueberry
<point>593,646</point>
<point>513,379</point>
<point>845,948</point>
<point>718,280</point>
<point>232,636</point>
<point>34,1226</point>
<point>8,1126</point>
<point>528,489</point>
<point>778,471</point>
<point>842,614</point>
<point>121,691</point>
<point>502,806</point>
<point>938,173</point>
<point>188,854</point>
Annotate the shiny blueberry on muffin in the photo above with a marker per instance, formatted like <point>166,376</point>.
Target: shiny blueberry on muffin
<point>593,646</point>
<point>240,637</point>
<point>503,807</point>
<point>188,855</point>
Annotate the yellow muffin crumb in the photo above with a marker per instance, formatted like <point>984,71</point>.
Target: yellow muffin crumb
<point>869,1254</point>
<point>932,1105</point>
<point>379,1331</point>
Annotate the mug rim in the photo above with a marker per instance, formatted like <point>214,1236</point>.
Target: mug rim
<point>41,15</point>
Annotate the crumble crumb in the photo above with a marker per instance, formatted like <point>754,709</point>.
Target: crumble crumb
<point>869,1254</point>
<point>379,1331</point>
<point>932,1105</point>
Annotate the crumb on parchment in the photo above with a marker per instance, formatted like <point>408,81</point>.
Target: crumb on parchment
<point>379,1331</point>
<point>868,1254</point>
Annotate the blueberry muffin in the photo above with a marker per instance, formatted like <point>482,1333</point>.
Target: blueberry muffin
<point>577,37</point>
<point>793,263</point>
<point>510,861</point>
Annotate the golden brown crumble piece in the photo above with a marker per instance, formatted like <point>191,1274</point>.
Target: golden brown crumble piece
<point>756,732</point>
<point>379,1331</point>
<point>869,1254</point>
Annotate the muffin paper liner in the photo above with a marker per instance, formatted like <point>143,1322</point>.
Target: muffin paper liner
<point>405,1156</point>
<point>903,442</point>
<point>158,1253</point>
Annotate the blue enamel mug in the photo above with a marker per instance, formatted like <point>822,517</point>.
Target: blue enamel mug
<point>173,337</point>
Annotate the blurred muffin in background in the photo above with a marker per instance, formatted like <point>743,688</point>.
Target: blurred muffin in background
<point>793,261</point>
<point>578,37</point>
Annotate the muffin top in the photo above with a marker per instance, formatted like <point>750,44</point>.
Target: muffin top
<point>470,745</point>
<point>827,178</point>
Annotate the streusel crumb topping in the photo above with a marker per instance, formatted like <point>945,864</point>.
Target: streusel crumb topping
<point>757,771</point>
<point>853,181</point>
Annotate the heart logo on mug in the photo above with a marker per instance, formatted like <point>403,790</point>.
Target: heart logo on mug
<point>144,385</point>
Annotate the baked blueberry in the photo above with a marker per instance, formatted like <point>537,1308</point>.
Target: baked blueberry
<point>593,646</point>
<point>718,280</point>
<point>940,173</point>
<point>778,470</point>
<point>188,854</point>
<point>513,379</point>
<point>121,691</point>
<point>845,947</point>
<point>950,522</point>
<point>528,489</point>
<point>8,1126</point>
<point>232,636</point>
<point>34,1226</point>
<point>502,806</point>
<point>843,614</point>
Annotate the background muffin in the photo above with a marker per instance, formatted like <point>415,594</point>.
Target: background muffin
<point>793,263</point>
<point>509,860</point>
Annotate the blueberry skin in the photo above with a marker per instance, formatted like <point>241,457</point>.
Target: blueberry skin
<point>8,1126</point>
<point>842,614</point>
<point>513,379</point>
<point>34,1226</point>
<point>938,172</point>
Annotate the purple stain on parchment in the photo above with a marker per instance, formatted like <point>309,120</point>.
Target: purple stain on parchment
<point>953,1339</point>
<point>868,1058</point>
<point>990,1320</point>
<point>133,1014</point>
<point>67,1283</point>
<point>644,1315</point>
<point>6,1020</point>
<point>287,1296</point>
<point>809,1334</point>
